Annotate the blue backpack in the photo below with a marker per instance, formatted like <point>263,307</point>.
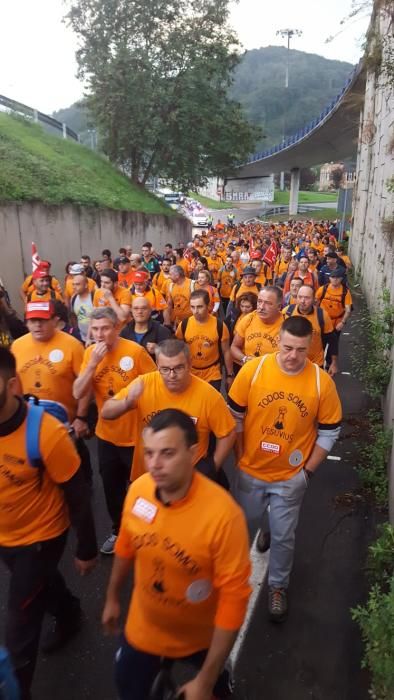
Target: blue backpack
<point>36,410</point>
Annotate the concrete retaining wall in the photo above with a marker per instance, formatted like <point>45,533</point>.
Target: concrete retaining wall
<point>372,253</point>
<point>63,233</point>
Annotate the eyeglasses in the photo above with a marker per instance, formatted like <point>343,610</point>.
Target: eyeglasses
<point>166,371</point>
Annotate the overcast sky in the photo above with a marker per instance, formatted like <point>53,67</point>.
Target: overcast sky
<point>37,51</point>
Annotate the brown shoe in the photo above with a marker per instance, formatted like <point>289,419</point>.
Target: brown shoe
<point>277,604</point>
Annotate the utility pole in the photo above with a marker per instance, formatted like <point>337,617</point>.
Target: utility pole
<point>289,33</point>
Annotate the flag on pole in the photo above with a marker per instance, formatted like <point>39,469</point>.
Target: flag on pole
<point>35,258</point>
<point>271,254</point>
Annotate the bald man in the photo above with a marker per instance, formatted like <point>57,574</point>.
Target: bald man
<point>143,329</point>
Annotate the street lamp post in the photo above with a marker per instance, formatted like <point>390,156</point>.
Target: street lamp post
<point>289,33</point>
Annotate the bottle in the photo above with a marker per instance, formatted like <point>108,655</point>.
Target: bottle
<point>8,684</point>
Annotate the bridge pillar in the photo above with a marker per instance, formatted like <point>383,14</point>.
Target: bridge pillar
<point>294,191</point>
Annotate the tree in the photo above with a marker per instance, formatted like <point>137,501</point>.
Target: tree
<point>157,75</point>
<point>336,176</point>
<point>308,178</point>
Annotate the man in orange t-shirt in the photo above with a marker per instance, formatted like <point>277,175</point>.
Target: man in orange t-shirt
<point>289,417</point>
<point>174,385</point>
<point>187,539</point>
<point>108,366</point>
<point>41,289</point>
<point>37,504</point>
<point>110,294</point>
<point>258,332</point>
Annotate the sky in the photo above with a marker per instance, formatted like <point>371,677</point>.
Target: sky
<point>37,50</point>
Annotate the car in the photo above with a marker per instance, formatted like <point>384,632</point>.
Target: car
<point>199,220</point>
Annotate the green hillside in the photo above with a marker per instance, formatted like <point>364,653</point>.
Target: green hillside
<point>259,86</point>
<point>37,166</point>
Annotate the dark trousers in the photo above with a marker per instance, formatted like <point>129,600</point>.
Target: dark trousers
<point>115,468</point>
<point>36,587</point>
<point>84,454</point>
<point>224,303</point>
<point>328,356</point>
<point>135,672</point>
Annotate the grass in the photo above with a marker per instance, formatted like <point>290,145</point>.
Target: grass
<point>212,203</point>
<point>316,215</point>
<point>36,166</point>
<point>306,197</point>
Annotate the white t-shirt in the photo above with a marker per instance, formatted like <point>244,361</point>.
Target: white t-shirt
<point>82,307</point>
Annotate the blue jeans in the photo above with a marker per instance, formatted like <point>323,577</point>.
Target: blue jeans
<point>284,499</point>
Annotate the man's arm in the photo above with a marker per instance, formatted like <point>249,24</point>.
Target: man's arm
<point>113,408</point>
<point>121,568</point>
<point>228,360</point>
<point>83,384</point>
<point>223,447</point>
<point>201,687</point>
<point>237,348</point>
<point>341,324</point>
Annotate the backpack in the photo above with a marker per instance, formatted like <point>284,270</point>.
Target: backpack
<point>320,318</point>
<point>37,408</point>
<point>219,328</point>
<point>345,290</point>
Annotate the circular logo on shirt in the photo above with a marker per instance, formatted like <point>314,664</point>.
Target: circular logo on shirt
<point>199,590</point>
<point>126,363</point>
<point>56,355</point>
<point>295,458</point>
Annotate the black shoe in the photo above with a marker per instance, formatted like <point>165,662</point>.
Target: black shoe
<point>62,630</point>
<point>263,542</point>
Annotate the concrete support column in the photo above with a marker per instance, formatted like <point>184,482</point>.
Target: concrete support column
<point>294,191</point>
<point>282,182</point>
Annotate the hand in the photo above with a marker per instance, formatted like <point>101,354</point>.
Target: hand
<point>151,348</point>
<point>107,294</point>
<point>110,617</point>
<point>80,428</point>
<point>98,353</point>
<point>85,567</point>
<point>135,391</point>
<point>333,369</point>
<point>196,690</point>
<point>339,326</point>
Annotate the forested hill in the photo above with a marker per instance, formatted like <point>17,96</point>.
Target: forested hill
<point>259,87</point>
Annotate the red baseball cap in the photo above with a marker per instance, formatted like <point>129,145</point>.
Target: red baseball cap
<point>40,272</point>
<point>40,309</point>
<point>141,276</point>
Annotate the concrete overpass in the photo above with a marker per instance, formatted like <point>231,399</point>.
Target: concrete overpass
<point>331,137</point>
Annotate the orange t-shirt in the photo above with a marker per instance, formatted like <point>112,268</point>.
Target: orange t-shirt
<point>49,295</point>
<point>227,279</point>
<point>192,566</point>
<point>283,414</point>
<point>126,280</point>
<point>332,302</point>
<point>28,285</point>
<point>259,337</point>
<point>242,289</point>
<point>161,281</point>
<point>48,369</point>
<point>155,298</point>
<point>316,351</point>
<point>29,511</point>
<point>200,401</point>
<point>184,264</point>
<point>69,289</point>
<point>121,296</point>
<point>214,265</point>
<point>180,296</point>
<point>116,370</point>
<point>203,342</point>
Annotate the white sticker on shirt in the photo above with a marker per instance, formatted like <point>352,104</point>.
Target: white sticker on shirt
<point>56,355</point>
<point>144,509</point>
<point>270,447</point>
<point>199,590</point>
<point>126,363</point>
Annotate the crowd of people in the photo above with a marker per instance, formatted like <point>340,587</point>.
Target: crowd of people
<point>174,360</point>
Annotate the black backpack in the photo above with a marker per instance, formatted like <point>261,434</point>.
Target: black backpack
<point>345,290</point>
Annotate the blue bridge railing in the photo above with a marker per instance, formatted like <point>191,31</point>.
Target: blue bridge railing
<point>311,126</point>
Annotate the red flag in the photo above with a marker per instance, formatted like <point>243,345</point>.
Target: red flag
<point>35,258</point>
<point>271,254</point>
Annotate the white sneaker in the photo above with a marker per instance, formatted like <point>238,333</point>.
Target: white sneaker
<point>108,547</point>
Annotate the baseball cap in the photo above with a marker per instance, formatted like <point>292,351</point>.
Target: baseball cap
<point>123,260</point>
<point>45,263</point>
<point>141,276</point>
<point>249,271</point>
<point>336,273</point>
<point>76,269</point>
<point>40,272</point>
<point>40,309</point>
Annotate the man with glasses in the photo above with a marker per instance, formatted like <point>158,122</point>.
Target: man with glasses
<point>174,385</point>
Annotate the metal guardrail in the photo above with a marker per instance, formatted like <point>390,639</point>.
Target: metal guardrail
<point>310,126</point>
<point>38,116</point>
